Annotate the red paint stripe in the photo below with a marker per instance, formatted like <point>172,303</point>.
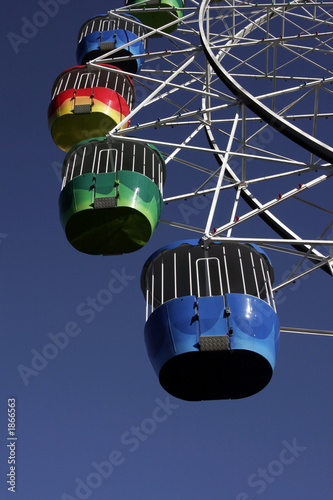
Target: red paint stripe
<point>106,96</point>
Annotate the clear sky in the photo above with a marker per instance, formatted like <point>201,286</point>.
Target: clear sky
<point>93,422</point>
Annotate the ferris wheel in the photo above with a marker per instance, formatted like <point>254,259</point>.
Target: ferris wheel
<point>229,103</point>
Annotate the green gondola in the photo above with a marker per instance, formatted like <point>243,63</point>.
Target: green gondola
<point>157,13</point>
<point>111,197</point>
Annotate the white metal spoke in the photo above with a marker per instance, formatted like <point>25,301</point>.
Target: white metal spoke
<point>306,331</point>
<point>277,241</point>
<point>221,175</point>
<point>273,203</point>
<point>308,253</point>
<point>147,101</point>
<point>273,56</point>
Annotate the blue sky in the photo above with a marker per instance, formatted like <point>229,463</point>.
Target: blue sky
<point>92,420</point>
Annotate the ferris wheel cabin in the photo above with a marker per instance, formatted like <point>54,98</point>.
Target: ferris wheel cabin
<point>88,101</point>
<point>212,331</point>
<point>111,31</point>
<point>158,13</point>
<point>111,197</point>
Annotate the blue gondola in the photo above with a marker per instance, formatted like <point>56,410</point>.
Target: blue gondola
<point>107,32</point>
<point>212,331</point>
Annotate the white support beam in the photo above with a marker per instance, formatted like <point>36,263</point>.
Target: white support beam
<point>152,95</point>
<point>306,331</point>
<point>221,175</point>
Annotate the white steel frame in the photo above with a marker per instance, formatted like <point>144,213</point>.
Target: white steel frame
<point>206,98</point>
